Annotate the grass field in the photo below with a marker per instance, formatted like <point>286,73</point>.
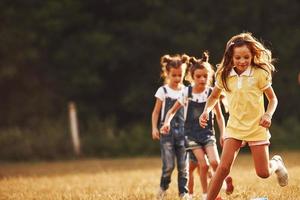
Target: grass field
<point>128,179</point>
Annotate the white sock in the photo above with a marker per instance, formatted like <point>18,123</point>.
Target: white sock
<point>204,196</point>
<point>224,185</point>
<point>213,172</point>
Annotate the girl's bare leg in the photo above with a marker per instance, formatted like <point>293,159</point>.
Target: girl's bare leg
<point>200,155</point>
<point>214,161</point>
<point>230,150</point>
<point>192,167</point>
<point>213,156</point>
<point>260,155</point>
<point>265,168</point>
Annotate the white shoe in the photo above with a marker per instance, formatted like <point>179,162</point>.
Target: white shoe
<point>184,196</point>
<point>190,196</point>
<point>161,194</point>
<point>281,172</point>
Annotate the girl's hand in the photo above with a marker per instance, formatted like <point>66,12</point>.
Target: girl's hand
<point>203,119</point>
<point>155,134</point>
<point>265,120</point>
<point>165,129</point>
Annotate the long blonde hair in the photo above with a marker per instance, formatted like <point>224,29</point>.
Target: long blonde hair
<point>262,57</point>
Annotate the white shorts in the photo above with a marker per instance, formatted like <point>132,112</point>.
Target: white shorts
<point>253,143</point>
<point>257,143</point>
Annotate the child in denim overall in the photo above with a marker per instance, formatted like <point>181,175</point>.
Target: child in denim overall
<point>193,163</point>
<point>201,141</point>
<point>171,145</point>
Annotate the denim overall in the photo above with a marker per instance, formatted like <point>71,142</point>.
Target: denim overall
<point>195,135</point>
<point>172,145</point>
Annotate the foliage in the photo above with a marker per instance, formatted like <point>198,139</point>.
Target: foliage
<point>286,135</point>
<point>103,139</point>
<point>48,141</point>
<point>104,55</point>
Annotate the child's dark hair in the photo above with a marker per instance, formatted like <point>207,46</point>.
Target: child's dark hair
<point>167,62</point>
<point>202,63</point>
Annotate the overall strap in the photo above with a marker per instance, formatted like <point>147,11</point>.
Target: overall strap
<point>165,90</point>
<point>190,96</point>
<point>162,117</point>
<point>190,89</point>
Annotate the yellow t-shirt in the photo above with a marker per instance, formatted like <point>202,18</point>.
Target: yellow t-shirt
<point>246,103</point>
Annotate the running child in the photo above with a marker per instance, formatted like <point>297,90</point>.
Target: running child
<point>245,76</point>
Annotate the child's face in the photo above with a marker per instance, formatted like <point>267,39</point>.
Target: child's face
<point>175,75</point>
<point>201,77</point>
<point>242,58</point>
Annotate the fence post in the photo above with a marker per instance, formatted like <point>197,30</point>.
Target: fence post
<point>74,128</point>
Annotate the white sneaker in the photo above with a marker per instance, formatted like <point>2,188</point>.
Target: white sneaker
<point>281,172</point>
<point>190,196</point>
<point>161,194</point>
<point>184,196</point>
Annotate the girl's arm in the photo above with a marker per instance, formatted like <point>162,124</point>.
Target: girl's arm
<point>220,121</point>
<point>267,117</point>
<point>169,116</point>
<point>155,116</point>
<point>210,104</point>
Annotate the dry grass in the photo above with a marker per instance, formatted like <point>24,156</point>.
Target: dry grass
<point>116,179</point>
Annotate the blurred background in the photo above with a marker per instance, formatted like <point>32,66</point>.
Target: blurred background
<point>104,55</point>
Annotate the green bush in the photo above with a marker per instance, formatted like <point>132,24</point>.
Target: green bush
<point>103,138</point>
<point>285,135</point>
<point>49,140</point>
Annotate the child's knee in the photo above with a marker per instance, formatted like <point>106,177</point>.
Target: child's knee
<point>204,166</point>
<point>214,164</point>
<point>263,174</point>
<point>224,168</point>
<point>168,169</point>
<point>183,172</point>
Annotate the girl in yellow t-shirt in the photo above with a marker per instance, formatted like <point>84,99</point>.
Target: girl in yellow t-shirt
<point>245,76</point>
